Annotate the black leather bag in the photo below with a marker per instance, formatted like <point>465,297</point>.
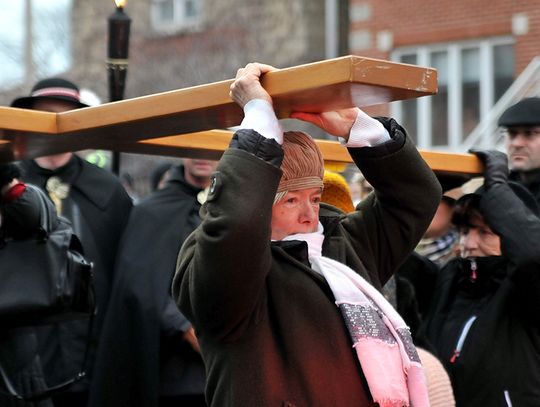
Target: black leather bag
<point>44,279</point>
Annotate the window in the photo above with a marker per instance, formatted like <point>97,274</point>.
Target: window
<point>409,108</point>
<point>470,89</point>
<point>472,76</point>
<point>170,16</point>
<point>439,102</point>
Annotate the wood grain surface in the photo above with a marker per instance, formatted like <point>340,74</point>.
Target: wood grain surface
<point>321,86</point>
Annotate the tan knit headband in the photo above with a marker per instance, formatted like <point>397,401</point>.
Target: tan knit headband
<point>300,183</point>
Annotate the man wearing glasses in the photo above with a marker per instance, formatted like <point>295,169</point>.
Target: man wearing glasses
<point>521,123</point>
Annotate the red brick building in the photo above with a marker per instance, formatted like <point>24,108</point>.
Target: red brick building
<point>478,47</point>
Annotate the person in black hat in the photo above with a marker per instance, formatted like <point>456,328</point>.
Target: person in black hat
<point>521,123</point>
<point>98,207</point>
<point>52,95</point>
<point>484,321</point>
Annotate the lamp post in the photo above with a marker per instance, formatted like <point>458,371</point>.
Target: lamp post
<point>117,61</point>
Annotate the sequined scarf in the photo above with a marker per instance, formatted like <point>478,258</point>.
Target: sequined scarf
<point>380,337</point>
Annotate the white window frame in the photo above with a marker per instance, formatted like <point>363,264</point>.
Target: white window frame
<point>180,22</point>
<point>453,50</point>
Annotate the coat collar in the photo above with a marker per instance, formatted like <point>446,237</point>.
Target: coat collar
<point>296,252</point>
<point>177,179</point>
<point>531,179</point>
<point>91,181</point>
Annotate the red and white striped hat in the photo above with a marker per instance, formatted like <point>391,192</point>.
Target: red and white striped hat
<point>51,88</point>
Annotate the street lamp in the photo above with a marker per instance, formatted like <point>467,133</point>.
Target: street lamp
<point>117,61</point>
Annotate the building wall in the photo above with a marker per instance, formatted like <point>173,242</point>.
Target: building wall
<point>418,22</point>
<point>231,34</point>
<point>234,32</point>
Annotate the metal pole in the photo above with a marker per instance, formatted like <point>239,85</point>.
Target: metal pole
<point>117,62</point>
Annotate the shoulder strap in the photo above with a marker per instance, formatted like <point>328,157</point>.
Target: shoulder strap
<point>46,222</point>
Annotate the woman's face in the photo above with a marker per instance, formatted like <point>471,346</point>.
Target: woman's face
<point>478,240</point>
<point>296,212</point>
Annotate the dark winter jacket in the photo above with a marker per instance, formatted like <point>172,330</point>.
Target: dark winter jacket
<point>19,358</point>
<point>98,208</point>
<point>143,354</point>
<point>269,330</point>
<point>530,179</point>
<point>486,328</point>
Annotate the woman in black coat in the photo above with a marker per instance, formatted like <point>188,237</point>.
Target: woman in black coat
<point>19,360</point>
<point>485,318</point>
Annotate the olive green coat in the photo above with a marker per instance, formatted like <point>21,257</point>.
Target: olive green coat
<point>267,324</point>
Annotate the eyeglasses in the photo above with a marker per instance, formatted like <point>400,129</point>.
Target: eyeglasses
<point>527,132</point>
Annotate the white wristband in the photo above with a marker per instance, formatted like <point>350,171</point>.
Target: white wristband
<point>259,115</point>
<point>367,132</point>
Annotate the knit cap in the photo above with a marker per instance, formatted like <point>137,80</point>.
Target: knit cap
<point>303,164</point>
<point>336,191</point>
<point>440,389</point>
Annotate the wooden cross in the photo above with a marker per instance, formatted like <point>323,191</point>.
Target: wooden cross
<point>183,122</point>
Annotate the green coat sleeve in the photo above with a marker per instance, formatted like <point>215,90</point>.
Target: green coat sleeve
<point>223,265</point>
<point>388,225</point>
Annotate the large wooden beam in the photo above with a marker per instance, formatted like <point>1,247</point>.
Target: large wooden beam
<point>211,144</point>
<point>320,86</point>
<point>28,121</point>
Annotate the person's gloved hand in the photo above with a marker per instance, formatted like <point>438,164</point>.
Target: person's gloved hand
<point>8,172</point>
<point>495,166</point>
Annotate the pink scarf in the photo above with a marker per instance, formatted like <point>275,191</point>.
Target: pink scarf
<point>380,337</point>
